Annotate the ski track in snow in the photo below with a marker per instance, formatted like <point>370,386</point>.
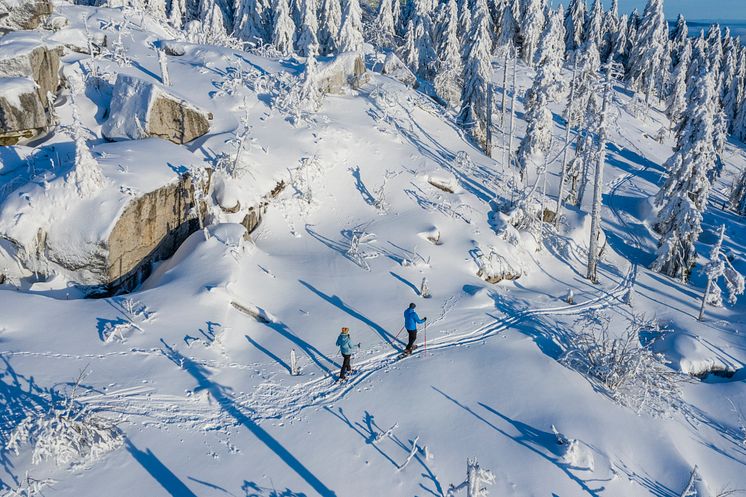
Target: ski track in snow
<point>277,401</point>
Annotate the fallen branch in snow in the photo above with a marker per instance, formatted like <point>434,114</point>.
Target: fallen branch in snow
<point>412,453</point>
<point>29,487</point>
<point>253,311</point>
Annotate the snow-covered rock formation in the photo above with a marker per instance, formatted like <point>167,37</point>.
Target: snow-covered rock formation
<point>141,109</point>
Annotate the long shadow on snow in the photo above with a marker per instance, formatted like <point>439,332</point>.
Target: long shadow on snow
<point>339,303</point>
<point>369,431</point>
<point>224,399</point>
<point>529,438</point>
<point>268,353</point>
<point>159,471</point>
<point>364,192</point>
<point>311,351</point>
<point>252,489</point>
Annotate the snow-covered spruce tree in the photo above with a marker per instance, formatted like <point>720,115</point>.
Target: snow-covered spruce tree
<point>594,24</point>
<point>157,9</point>
<point>351,32</point>
<point>384,31</point>
<point>532,26</point>
<point>473,114</point>
<point>408,50</point>
<point>507,33</point>
<point>426,58</point>
<point>306,42</point>
<point>594,251</point>
<point>739,124</point>
<point>538,116</point>
<point>719,266</point>
<point>213,19</point>
<point>476,479</point>
<point>283,28</point>
<point>575,25</point>
<point>732,87</point>
<point>619,45</point>
<point>648,67</point>
<point>330,20</point>
<point>715,54</point>
<point>252,21</point>
<point>406,11</point>
<point>310,96</point>
<point>679,40</point>
<point>609,32</point>
<point>737,200</point>
<point>684,194</point>
<point>450,65</point>
<point>588,66</point>
<point>86,175</point>
<point>176,13</point>
<point>676,105</point>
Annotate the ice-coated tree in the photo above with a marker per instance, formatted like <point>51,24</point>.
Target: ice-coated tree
<point>532,26</point>
<point>676,105</point>
<point>163,63</point>
<point>330,20</point>
<point>251,17</point>
<point>575,25</point>
<point>720,266</point>
<point>450,65</point>
<point>465,25</point>
<point>683,197</point>
<point>539,118</point>
<point>598,181</point>
<point>310,96</point>
<point>679,40</point>
<point>586,151</point>
<point>426,57</point>
<point>609,32</point>
<point>730,90</point>
<point>213,19</point>
<point>619,45</point>
<point>306,42</point>
<point>384,30</point>
<point>737,200</point>
<point>351,32</point>
<point>473,113</point>
<point>406,12</point>
<point>648,67</point>
<point>408,50</point>
<point>568,133</point>
<point>589,63</point>
<point>283,28</point>
<point>396,13</point>
<point>739,126</point>
<point>86,175</point>
<point>157,9</point>
<point>507,33</point>
<point>715,53</point>
<point>594,24</point>
<point>176,14</point>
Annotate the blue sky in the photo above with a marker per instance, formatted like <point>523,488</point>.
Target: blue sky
<point>692,9</point>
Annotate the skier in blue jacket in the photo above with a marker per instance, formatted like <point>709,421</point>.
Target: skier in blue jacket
<point>345,347</point>
<point>411,320</point>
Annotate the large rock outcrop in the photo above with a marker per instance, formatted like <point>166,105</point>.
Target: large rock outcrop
<point>23,14</point>
<point>142,109</point>
<point>22,113</point>
<point>26,63</point>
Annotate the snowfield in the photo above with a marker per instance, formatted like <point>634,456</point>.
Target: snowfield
<point>382,190</point>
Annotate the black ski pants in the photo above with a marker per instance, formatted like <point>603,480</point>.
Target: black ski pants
<point>345,365</point>
<point>412,338</point>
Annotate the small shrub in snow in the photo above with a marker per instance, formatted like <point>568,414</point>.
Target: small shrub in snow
<point>476,478</point>
<point>29,487</point>
<point>719,266</point>
<point>425,289</point>
<point>68,434</point>
<point>494,268</point>
<point>631,373</point>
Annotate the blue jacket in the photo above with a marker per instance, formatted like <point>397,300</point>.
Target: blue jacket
<point>411,319</point>
<point>343,342</point>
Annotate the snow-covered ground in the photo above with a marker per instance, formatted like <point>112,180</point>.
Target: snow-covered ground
<point>202,391</point>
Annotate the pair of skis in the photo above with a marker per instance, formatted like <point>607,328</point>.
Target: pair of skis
<point>414,346</point>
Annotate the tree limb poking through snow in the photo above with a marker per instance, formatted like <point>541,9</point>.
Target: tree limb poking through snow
<point>719,265</point>
<point>476,477</point>
<point>632,374</point>
<point>411,455</point>
<point>68,434</point>
<point>29,487</point>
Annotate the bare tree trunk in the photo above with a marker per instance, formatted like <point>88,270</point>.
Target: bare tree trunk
<point>593,251</point>
<point>568,126</point>
<point>512,111</point>
<point>488,141</point>
<point>505,86</point>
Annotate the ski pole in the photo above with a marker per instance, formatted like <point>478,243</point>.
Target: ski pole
<point>397,335</point>
<point>425,338</point>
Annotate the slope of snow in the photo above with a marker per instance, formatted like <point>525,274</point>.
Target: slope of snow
<point>198,374</point>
